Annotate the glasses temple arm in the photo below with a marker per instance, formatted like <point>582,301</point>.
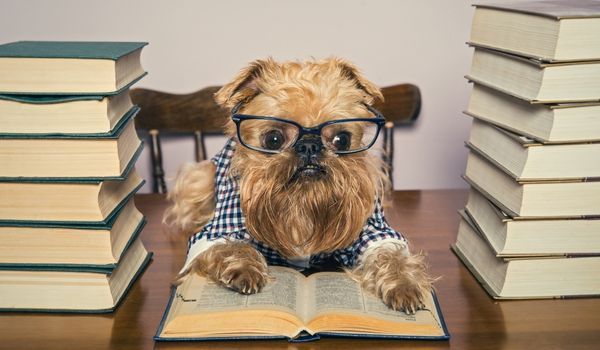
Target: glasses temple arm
<point>374,111</point>
<point>237,107</point>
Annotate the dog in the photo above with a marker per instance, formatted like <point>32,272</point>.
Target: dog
<point>296,185</point>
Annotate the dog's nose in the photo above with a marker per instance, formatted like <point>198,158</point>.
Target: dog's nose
<point>308,147</point>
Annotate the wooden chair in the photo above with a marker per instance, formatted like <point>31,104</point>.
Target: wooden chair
<point>197,114</point>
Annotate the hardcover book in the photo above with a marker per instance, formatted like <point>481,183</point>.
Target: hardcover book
<point>554,123</point>
<point>59,115</point>
<point>549,199</point>
<point>70,156</point>
<point>292,307</point>
<point>534,81</point>
<point>51,202</point>
<point>71,245</point>
<point>532,278</point>
<point>528,160</point>
<point>558,30</point>
<point>69,68</point>
<point>71,290</point>
<point>518,237</point>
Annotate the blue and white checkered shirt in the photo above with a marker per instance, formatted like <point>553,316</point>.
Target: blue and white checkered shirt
<point>228,224</point>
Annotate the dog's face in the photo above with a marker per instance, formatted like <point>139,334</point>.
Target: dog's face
<point>299,195</point>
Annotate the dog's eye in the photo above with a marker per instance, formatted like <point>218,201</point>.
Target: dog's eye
<point>342,140</point>
<point>273,140</point>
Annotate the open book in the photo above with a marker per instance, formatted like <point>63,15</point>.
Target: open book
<point>291,306</point>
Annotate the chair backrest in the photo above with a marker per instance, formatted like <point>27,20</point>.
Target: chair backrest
<point>401,107</point>
<point>197,114</point>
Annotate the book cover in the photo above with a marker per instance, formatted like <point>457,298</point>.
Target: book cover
<point>70,49</point>
<point>48,99</point>
<point>555,9</point>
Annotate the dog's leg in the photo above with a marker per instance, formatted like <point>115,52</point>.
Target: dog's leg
<point>193,198</point>
<point>236,265</point>
<point>399,280</point>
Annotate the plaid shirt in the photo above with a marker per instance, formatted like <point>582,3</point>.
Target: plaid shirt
<point>228,223</point>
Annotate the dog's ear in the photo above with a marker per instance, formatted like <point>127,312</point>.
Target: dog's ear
<point>245,85</point>
<point>351,72</point>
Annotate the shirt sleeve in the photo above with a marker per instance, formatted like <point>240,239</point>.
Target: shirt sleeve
<point>375,233</point>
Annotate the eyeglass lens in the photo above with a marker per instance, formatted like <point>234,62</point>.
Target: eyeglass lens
<point>274,136</point>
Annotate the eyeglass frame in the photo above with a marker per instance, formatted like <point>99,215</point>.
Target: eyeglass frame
<point>238,118</point>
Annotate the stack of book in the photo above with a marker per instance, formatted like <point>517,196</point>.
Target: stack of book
<point>531,227</point>
<point>69,229</point>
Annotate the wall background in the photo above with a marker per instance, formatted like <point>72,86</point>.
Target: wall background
<point>194,44</point>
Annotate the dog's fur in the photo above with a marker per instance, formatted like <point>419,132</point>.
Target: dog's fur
<point>309,215</point>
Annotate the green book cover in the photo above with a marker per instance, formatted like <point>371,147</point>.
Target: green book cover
<point>49,99</point>
<point>70,49</point>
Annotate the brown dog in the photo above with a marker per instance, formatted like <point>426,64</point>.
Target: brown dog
<point>295,185</point>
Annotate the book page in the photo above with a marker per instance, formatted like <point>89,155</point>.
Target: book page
<point>333,292</point>
<point>284,292</point>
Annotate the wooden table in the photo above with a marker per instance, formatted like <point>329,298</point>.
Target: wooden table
<point>428,219</point>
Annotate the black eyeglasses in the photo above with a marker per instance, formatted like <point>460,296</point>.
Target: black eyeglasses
<point>341,136</point>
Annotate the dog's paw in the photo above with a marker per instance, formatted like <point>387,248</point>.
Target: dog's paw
<point>406,296</point>
<point>400,281</point>
<point>245,277</point>
<point>236,265</point>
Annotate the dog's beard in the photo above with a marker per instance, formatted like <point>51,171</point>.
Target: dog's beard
<point>298,214</point>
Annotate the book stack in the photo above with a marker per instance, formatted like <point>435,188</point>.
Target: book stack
<point>531,226</point>
<point>69,229</point>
